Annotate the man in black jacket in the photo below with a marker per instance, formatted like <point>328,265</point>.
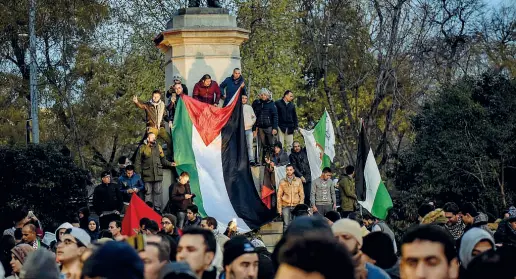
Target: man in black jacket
<point>107,201</point>
<point>266,125</point>
<point>299,159</point>
<point>287,119</point>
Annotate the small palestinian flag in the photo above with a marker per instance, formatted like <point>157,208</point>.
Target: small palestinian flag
<point>371,192</point>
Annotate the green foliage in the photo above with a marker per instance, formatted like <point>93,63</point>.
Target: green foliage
<point>464,146</point>
<point>43,179</point>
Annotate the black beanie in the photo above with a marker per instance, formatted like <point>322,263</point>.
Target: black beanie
<point>236,247</point>
<point>378,246</point>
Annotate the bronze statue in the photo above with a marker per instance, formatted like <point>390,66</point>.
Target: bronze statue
<point>197,3</point>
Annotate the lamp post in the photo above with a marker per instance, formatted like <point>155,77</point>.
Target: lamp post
<point>34,108</point>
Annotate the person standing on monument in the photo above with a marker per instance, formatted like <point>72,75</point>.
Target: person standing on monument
<point>287,119</point>
<point>171,107</point>
<point>299,159</point>
<point>156,116</point>
<point>149,163</point>
<point>290,194</point>
<point>266,125</point>
<point>207,91</point>
<point>231,84</point>
<point>249,120</point>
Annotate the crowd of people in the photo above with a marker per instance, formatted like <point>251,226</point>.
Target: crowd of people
<point>448,243</point>
<point>325,234</point>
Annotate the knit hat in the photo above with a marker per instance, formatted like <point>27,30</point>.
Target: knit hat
<point>469,240</point>
<point>40,264</point>
<point>308,224</point>
<point>512,213</point>
<point>177,270</point>
<point>172,219</point>
<point>236,247</point>
<point>114,260</point>
<point>80,235</point>
<point>104,174</point>
<point>21,251</point>
<point>348,226</point>
<point>378,246</point>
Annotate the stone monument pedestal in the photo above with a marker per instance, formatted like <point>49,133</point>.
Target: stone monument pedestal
<point>201,41</point>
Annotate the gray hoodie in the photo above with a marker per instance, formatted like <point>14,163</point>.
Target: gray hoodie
<point>469,240</point>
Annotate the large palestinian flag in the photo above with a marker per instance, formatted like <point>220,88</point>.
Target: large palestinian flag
<point>210,144</point>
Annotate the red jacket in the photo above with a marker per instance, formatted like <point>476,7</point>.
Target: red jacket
<point>209,95</point>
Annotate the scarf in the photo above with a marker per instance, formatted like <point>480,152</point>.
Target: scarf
<point>457,229</point>
<point>159,108</point>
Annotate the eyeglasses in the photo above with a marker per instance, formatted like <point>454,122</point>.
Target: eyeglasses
<point>69,242</point>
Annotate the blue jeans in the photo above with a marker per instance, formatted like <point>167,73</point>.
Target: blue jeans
<point>249,138</point>
<point>286,213</point>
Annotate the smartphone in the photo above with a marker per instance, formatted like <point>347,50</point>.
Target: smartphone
<point>137,242</point>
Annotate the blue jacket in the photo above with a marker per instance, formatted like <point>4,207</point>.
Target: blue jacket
<point>231,86</point>
<point>127,183</point>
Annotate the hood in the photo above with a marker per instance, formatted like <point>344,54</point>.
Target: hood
<point>481,219</point>
<point>468,242</point>
<point>63,226</point>
<point>40,264</point>
<point>96,222</point>
<point>85,211</point>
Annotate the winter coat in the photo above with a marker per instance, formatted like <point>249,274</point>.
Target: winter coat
<point>287,116</point>
<point>505,234</point>
<point>125,184</point>
<point>322,194</point>
<point>150,162</point>
<point>290,194</point>
<point>155,114</point>
<point>348,196</point>
<point>209,95</point>
<point>280,159</point>
<point>230,86</point>
<point>107,197</point>
<point>195,223</point>
<point>266,114</point>
<point>177,196</point>
<point>301,165</point>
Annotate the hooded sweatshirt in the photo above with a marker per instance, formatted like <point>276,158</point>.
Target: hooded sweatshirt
<point>470,239</point>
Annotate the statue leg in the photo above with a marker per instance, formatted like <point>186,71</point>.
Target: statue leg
<point>194,3</point>
<point>214,4</point>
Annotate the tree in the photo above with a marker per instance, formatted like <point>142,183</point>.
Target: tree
<point>44,179</point>
<point>464,145</point>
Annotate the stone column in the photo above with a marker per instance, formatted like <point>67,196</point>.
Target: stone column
<point>201,41</point>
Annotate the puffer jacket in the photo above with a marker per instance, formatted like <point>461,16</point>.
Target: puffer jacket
<point>266,114</point>
<point>301,165</point>
<point>207,94</point>
<point>290,194</point>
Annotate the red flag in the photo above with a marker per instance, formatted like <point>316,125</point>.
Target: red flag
<point>267,196</point>
<point>137,210</point>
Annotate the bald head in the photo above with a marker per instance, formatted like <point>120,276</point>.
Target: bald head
<point>29,233</point>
